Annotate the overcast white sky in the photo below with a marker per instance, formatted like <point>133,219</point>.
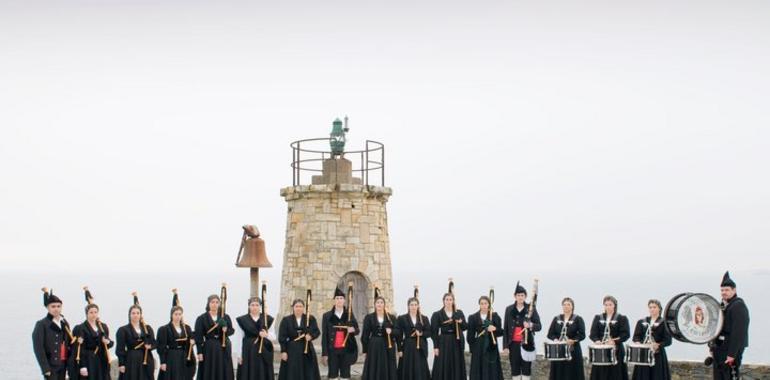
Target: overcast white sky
<point>580,135</point>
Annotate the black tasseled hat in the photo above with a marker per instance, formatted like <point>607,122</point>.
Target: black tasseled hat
<point>727,281</point>
<point>49,298</point>
<point>338,293</point>
<point>519,289</point>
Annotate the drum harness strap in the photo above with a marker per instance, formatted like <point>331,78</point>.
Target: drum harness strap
<point>648,339</point>
<point>607,336</point>
<point>563,335</point>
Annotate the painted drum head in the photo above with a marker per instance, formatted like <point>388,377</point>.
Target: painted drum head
<point>693,318</point>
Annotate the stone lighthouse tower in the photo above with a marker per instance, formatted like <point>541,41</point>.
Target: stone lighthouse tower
<point>337,225</point>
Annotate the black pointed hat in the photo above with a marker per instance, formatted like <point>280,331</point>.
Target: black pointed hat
<point>519,289</point>
<point>338,293</point>
<point>727,281</point>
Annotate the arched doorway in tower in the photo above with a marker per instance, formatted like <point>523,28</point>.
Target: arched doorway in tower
<point>361,296</point>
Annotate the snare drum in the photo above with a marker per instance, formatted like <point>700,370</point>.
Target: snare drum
<point>557,351</point>
<point>602,354</point>
<point>640,354</point>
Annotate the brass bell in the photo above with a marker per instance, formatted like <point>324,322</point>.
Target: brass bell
<point>252,253</point>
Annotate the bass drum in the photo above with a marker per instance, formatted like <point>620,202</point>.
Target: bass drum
<point>693,318</point>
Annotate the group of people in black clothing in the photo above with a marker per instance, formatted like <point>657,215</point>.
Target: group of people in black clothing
<point>393,347</point>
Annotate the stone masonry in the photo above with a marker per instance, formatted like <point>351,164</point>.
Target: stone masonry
<point>335,233</point>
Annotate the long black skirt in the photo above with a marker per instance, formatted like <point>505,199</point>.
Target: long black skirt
<point>450,362</point>
<point>413,364</point>
<point>660,371</point>
<point>256,365</point>
<point>485,362</point>
<point>380,362</point>
<point>615,372</point>
<point>177,366</point>
<point>135,367</point>
<point>569,370</point>
<point>299,366</point>
<point>96,364</point>
<point>217,361</point>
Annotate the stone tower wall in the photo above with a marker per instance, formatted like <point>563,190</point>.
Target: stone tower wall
<point>334,230</point>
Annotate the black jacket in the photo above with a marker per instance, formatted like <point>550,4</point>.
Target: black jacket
<point>735,329</point>
<point>47,341</point>
<point>515,318</point>
<point>329,323</point>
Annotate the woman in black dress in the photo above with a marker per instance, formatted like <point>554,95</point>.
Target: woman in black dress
<point>448,325</point>
<point>135,342</point>
<point>295,335</point>
<point>571,328</point>
<point>256,361</point>
<point>378,343</point>
<point>175,346</point>
<point>651,330</point>
<point>414,327</point>
<point>215,360</point>
<point>484,327</point>
<point>92,357</point>
<point>619,332</point>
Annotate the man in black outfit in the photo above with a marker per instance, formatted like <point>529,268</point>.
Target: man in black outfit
<point>727,348</point>
<point>51,339</point>
<point>339,348</point>
<point>520,334</point>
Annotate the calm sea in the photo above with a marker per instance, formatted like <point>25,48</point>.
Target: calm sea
<point>22,296</point>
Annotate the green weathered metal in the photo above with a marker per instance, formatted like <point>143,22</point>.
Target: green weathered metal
<point>337,137</point>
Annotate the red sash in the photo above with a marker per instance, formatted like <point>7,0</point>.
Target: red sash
<point>63,352</point>
<point>339,338</point>
<point>518,335</point>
